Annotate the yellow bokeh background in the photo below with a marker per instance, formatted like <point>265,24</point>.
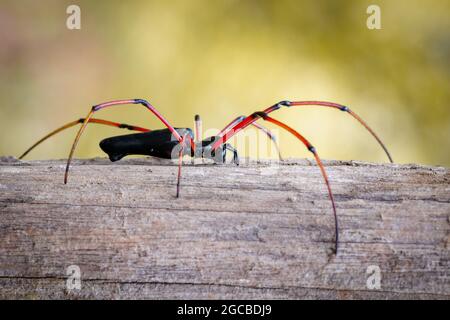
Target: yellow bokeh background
<point>225,58</point>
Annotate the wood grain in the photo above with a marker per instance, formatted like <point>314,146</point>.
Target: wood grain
<point>258,231</point>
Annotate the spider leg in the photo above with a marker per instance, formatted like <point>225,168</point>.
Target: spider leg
<point>271,137</point>
<point>268,133</point>
<point>257,115</point>
<point>231,125</point>
<point>116,103</point>
<point>80,121</point>
<point>339,107</point>
<point>313,150</point>
<point>235,154</point>
<point>180,163</point>
<point>236,127</point>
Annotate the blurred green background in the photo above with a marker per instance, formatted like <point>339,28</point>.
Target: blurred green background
<point>225,58</point>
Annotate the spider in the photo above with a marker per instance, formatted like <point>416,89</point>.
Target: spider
<point>170,143</point>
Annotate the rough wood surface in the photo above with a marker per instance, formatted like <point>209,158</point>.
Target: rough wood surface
<point>254,231</point>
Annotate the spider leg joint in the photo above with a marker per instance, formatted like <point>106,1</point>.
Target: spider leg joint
<point>125,126</point>
<point>284,103</point>
<point>260,114</point>
<point>312,149</point>
<point>141,101</point>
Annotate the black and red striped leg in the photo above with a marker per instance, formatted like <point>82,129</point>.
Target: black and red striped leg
<point>237,126</point>
<point>257,115</point>
<point>271,136</point>
<point>80,121</point>
<point>251,119</point>
<point>313,150</point>
<point>266,131</point>
<point>334,106</point>
<point>180,159</point>
<point>110,104</point>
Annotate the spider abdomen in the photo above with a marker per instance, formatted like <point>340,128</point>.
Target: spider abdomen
<point>157,143</point>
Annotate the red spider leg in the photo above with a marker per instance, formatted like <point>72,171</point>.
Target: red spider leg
<point>251,118</point>
<point>180,162</point>
<point>191,143</point>
<point>110,104</point>
<point>335,106</point>
<point>233,128</point>
<point>271,137</point>
<point>269,134</point>
<point>79,121</point>
<point>319,163</point>
<point>230,125</point>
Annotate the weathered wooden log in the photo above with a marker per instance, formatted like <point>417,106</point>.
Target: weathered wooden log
<point>255,231</point>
